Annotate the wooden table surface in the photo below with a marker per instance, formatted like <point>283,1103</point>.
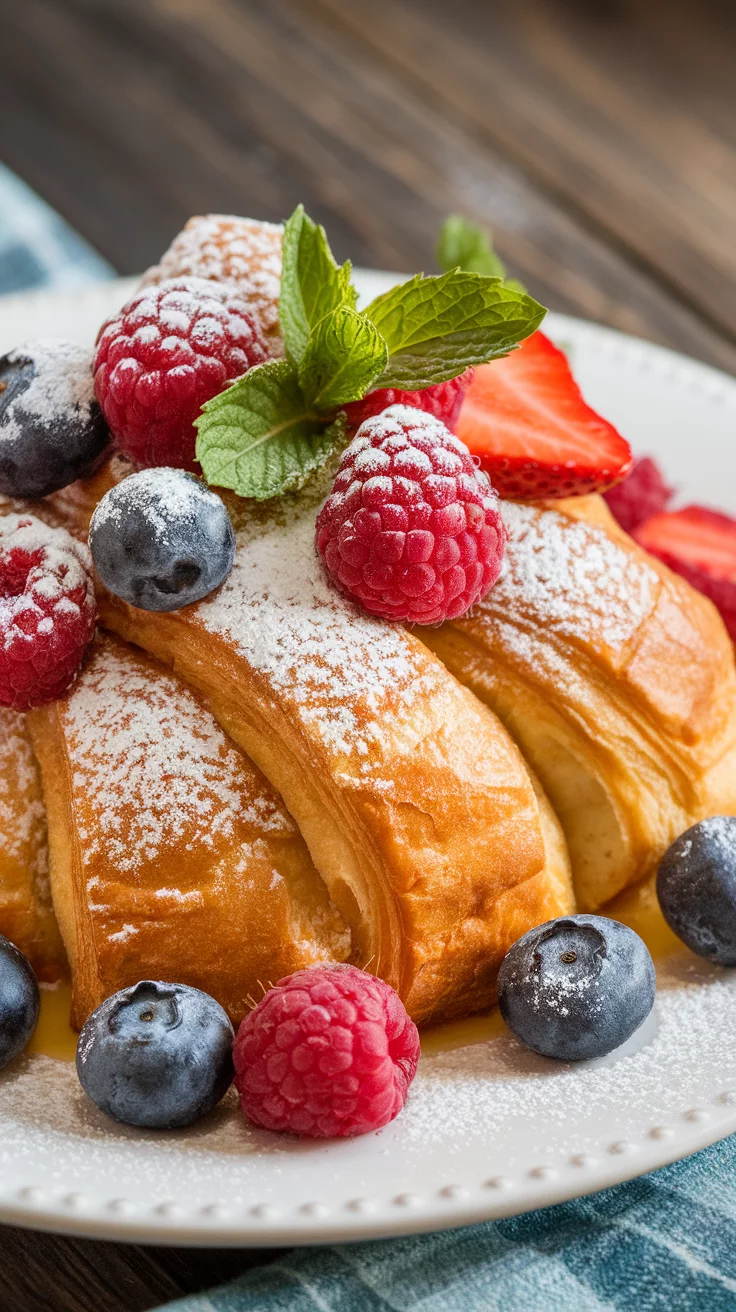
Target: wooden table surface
<point>598,140</point>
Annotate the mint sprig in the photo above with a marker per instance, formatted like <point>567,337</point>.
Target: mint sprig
<point>260,438</point>
<point>312,284</point>
<point>436,327</point>
<point>344,356</point>
<point>464,245</point>
<point>273,428</point>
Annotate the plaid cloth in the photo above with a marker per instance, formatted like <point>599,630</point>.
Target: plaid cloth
<point>666,1241</point>
<point>663,1243</point>
<point>37,248</point>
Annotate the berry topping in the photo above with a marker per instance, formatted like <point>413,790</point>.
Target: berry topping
<point>525,418</point>
<point>700,545</point>
<point>642,494</point>
<point>244,252</point>
<point>51,428</point>
<point>576,987</point>
<point>411,529</point>
<point>443,400</point>
<point>156,1055</point>
<point>157,361</point>
<point>696,887</point>
<point>19,1001</point>
<point>328,1051</point>
<point>47,611</point>
<point>161,540</point>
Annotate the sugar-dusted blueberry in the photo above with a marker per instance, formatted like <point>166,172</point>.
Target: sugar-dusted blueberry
<point>161,540</point>
<point>19,1001</point>
<point>696,887</point>
<point>52,430</point>
<point>156,1055</point>
<point>576,987</point>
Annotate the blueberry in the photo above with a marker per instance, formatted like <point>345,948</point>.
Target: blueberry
<point>19,1001</point>
<point>161,540</point>
<point>696,887</point>
<point>576,987</point>
<point>156,1055</point>
<point>52,431</point>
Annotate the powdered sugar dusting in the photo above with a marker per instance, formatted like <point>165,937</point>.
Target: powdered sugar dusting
<point>158,766</point>
<point>152,492</point>
<point>57,587</point>
<point>226,248</point>
<point>346,674</point>
<point>22,814</point>
<point>486,1086</point>
<point>572,578</point>
<point>61,389</point>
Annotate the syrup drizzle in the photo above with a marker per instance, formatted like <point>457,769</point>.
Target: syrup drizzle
<point>636,907</point>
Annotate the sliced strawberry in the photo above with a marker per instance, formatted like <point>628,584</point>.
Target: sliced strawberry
<point>700,545</point>
<point>526,420</point>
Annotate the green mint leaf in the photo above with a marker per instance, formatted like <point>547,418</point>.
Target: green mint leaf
<point>311,283</point>
<point>463,245</point>
<point>436,327</point>
<point>345,354</point>
<point>259,437</point>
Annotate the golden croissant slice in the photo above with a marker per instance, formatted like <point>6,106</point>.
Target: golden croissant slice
<point>417,808</point>
<point>26,915</point>
<point>171,857</point>
<point>616,679</point>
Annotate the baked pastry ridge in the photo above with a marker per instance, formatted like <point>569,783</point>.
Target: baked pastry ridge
<point>171,856</point>
<point>416,806</point>
<point>26,914</point>
<point>616,679</point>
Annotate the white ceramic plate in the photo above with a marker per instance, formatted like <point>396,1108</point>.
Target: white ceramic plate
<point>489,1129</point>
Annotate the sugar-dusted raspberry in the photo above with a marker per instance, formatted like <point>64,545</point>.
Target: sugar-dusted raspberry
<point>157,361</point>
<point>411,529</point>
<point>642,494</point>
<point>226,248</point>
<point>47,611</point>
<point>443,400</point>
<point>328,1051</point>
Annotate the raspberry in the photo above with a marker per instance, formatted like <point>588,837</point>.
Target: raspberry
<point>642,494</point>
<point>411,528</point>
<point>328,1051</point>
<point>157,361</point>
<point>245,252</point>
<point>47,611</point>
<point>443,400</point>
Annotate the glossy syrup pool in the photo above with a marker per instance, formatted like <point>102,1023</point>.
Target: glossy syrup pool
<point>637,907</point>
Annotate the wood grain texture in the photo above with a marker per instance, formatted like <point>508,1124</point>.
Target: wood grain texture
<point>130,115</point>
<point>50,1273</point>
<point>597,138</point>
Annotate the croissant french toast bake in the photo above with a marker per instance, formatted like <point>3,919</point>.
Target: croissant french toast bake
<point>614,677</point>
<point>171,856</point>
<point>26,914</point>
<point>347,708</point>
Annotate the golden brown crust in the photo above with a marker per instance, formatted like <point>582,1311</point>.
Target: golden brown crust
<point>416,806</point>
<point>26,915</point>
<point>171,857</point>
<point>616,679</point>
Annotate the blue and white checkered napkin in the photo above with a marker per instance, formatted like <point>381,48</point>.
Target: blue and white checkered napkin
<point>37,248</point>
<point>665,1242</point>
